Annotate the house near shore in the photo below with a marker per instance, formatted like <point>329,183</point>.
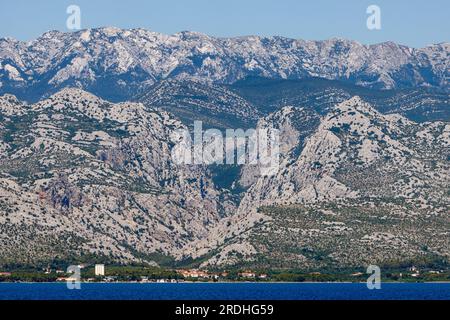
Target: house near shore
<point>247,274</point>
<point>194,274</point>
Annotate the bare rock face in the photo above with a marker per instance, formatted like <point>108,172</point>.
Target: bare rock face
<point>353,158</point>
<point>80,175</point>
<point>352,138</point>
<point>108,169</point>
<point>62,195</point>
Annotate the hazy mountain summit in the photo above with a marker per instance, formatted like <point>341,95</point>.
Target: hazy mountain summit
<point>117,64</point>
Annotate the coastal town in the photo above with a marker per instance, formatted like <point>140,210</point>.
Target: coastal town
<point>145,274</point>
<point>100,273</point>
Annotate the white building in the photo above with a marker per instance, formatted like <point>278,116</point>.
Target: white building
<point>99,269</point>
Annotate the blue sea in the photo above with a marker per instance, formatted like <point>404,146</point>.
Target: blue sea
<point>225,291</point>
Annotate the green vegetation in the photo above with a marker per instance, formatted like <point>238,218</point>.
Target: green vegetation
<point>136,272</point>
<point>349,234</point>
<point>132,273</point>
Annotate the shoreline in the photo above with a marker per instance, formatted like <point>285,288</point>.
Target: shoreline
<point>228,282</point>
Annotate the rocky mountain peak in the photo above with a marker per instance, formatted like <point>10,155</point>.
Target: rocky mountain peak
<point>10,105</point>
<point>352,107</point>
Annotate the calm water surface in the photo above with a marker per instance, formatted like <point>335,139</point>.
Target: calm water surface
<point>224,291</point>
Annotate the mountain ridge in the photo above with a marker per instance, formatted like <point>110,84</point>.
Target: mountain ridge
<point>117,64</point>
<point>82,176</point>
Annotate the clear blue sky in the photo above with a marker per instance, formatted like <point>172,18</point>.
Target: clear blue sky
<point>412,22</point>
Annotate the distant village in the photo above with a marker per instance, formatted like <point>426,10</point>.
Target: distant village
<point>100,274</point>
<point>184,275</point>
<point>103,273</point>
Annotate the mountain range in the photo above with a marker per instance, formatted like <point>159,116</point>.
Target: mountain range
<point>115,64</point>
<point>86,173</point>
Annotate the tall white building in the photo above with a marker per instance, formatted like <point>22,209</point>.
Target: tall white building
<point>99,269</point>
